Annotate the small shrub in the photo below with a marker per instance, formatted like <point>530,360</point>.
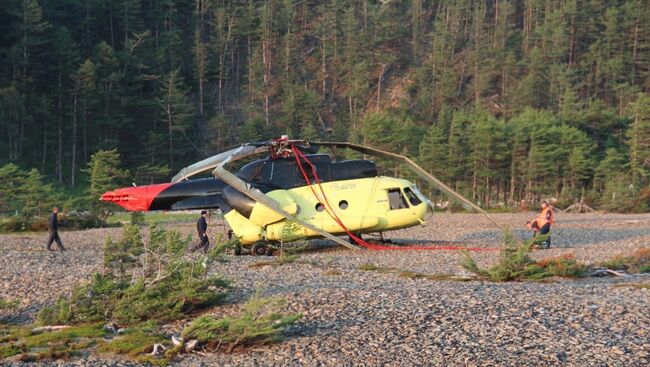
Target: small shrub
<point>133,343</point>
<point>637,262</point>
<point>332,272</point>
<point>258,323</point>
<point>168,299</point>
<point>137,219</point>
<point>80,220</point>
<point>141,281</point>
<point>8,305</point>
<point>218,251</point>
<point>51,345</point>
<point>10,350</point>
<point>38,224</point>
<point>16,224</point>
<point>515,264</point>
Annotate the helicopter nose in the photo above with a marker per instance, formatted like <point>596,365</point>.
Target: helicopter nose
<point>137,198</point>
<point>429,206</point>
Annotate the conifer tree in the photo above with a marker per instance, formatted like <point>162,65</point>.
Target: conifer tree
<point>104,174</point>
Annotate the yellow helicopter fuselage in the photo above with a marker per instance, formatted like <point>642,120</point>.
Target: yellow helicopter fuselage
<point>363,205</point>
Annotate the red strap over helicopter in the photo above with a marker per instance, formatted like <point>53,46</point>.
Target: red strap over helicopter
<point>371,246</point>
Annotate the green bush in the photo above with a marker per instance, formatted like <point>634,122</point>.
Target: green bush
<point>81,220</point>
<point>71,220</point>
<point>515,264</point>
<point>137,219</point>
<point>637,262</point>
<point>16,224</point>
<point>168,299</point>
<point>259,322</point>
<point>141,281</point>
<point>133,343</point>
<point>50,344</point>
<point>8,305</point>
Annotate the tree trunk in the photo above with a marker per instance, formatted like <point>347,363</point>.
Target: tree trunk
<point>381,77</point>
<point>44,145</point>
<point>74,141</point>
<point>171,136</point>
<point>59,155</point>
<point>84,122</point>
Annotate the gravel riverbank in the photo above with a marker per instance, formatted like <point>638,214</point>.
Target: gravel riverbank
<point>365,318</point>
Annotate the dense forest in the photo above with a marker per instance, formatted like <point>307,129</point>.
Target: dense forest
<point>504,100</point>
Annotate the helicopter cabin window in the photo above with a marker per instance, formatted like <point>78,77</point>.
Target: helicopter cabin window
<point>413,199</point>
<point>396,199</point>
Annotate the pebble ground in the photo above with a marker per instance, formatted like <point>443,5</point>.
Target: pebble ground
<point>354,317</point>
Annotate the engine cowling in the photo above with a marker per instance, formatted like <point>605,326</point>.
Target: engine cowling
<point>256,212</point>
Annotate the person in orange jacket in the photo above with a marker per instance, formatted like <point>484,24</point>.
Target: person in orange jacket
<point>542,224</point>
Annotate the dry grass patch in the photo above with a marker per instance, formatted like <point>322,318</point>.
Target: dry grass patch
<point>637,262</point>
<point>332,272</point>
<point>48,345</point>
<point>281,260</point>
<point>633,285</point>
<point>411,274</point>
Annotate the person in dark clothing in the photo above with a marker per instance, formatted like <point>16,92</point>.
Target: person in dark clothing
<point>202,229</point>
<point>53,231</point>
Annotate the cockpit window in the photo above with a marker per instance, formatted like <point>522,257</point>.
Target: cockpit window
<point>396,199</point>
<point>413,199</point>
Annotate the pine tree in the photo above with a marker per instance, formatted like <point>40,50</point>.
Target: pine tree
<point>104,174</point>
<point>36,197</point>
<point>176,110</point>
<point>12,183</point>
<point>433,152</point>
<point>639,140</point>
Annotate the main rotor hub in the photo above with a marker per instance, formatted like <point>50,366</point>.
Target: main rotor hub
<point>282,147</point>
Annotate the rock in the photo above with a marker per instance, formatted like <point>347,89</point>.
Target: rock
<point>191,345</point>
<point>158,349</point>
<point>111,327</point>
<point>176,341</point>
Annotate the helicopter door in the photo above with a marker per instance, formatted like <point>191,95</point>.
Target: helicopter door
<point>396,200</point>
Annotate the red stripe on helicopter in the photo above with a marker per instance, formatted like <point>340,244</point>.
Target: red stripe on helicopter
<point>138,198</point>
<point>328,208</point>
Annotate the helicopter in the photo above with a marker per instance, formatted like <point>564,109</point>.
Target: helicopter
<point>294,193</point>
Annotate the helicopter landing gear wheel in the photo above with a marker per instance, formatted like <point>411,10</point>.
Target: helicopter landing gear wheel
<point>259,248</point>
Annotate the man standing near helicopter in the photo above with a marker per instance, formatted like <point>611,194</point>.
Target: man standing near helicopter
<point>202,230</point>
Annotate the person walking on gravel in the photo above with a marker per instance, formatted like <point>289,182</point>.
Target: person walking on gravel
<point>53,230</point>
<point>202,230</point>
<point>542,224</point>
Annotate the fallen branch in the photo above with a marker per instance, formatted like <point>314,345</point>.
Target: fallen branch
<point>605,272</point>
<point>49,328</point>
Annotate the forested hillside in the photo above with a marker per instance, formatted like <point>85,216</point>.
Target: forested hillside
<point>505,100</point>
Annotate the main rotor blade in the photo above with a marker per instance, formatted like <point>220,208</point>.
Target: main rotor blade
<point>241,152</point>
<point>421,172</point>
<point>255,194</point>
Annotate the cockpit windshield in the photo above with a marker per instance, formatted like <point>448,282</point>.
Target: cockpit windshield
<point>413,198</point>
